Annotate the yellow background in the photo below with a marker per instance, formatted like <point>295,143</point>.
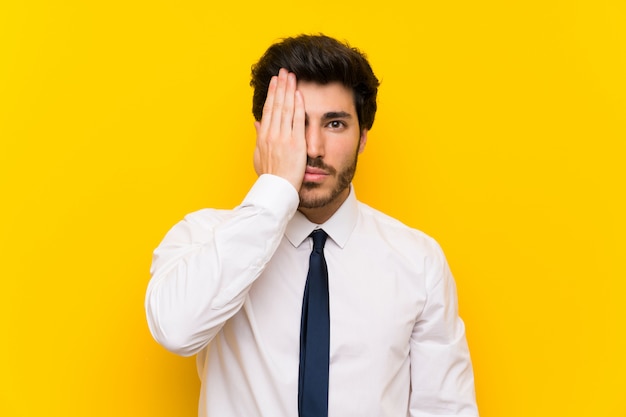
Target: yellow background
<point>501,132</point>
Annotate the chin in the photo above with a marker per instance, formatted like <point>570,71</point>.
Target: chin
<point>313,202</point>
<point>314,196</point>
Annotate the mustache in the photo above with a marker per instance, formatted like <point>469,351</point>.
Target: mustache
<point>319,163</point>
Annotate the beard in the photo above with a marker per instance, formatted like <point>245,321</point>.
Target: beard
<point>343,180</point>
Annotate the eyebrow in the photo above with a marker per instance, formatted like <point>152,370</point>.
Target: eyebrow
<point>336,115</point>
<point>332,115</point>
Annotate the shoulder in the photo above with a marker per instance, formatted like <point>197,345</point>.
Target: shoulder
<point>394,233</point>
<point>404,250</point>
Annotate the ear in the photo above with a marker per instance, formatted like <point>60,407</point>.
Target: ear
<point>363,140</point>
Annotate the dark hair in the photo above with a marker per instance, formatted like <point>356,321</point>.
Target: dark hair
<point>320,59</point>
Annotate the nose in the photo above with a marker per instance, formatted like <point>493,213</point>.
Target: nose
<point>314,141</point>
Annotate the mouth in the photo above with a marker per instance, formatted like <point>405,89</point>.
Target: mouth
<point>312,174</point>
<point>315,171</point>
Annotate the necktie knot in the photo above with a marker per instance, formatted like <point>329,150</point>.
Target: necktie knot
<point>319,239</point>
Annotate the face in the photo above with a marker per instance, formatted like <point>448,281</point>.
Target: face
<point>334,141</point>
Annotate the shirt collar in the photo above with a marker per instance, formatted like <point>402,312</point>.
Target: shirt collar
<point>338,227</point>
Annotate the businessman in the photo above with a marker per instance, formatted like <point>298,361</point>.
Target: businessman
<point>303,301</point>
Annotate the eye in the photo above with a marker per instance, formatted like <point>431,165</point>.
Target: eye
<point>336,124</point>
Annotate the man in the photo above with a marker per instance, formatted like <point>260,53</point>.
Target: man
<point>366,323</point>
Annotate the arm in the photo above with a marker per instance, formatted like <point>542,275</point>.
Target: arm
<point>206,264</point>
<point>442,379</point>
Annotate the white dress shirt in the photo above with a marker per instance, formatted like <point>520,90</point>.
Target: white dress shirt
<point>228,285</point>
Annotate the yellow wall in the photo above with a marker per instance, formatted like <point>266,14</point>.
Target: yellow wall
<point>501,132</point>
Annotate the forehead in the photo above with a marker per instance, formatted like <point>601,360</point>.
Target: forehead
<point>323,98</point>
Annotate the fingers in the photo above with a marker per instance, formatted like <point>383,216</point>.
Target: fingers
<point>268,107</point>
<point>287,106</point>
<point>277,122</point>
<point>299,117</point>
<point>279,106</point>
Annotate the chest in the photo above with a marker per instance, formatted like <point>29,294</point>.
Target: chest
<point>375,297</point>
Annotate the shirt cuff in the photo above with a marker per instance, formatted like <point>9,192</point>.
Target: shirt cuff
<point>274,193</point>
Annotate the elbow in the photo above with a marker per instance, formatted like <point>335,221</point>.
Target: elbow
<point>175,336</point>
<point>174,330</point>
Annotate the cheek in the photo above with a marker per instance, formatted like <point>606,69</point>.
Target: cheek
<point>340,150</point>
<point>345,156</point>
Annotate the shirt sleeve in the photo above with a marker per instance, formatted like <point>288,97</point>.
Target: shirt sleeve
<point>442,379</point>
<point>205,265</point>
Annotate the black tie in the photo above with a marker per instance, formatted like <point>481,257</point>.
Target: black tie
<point>315,335</point>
